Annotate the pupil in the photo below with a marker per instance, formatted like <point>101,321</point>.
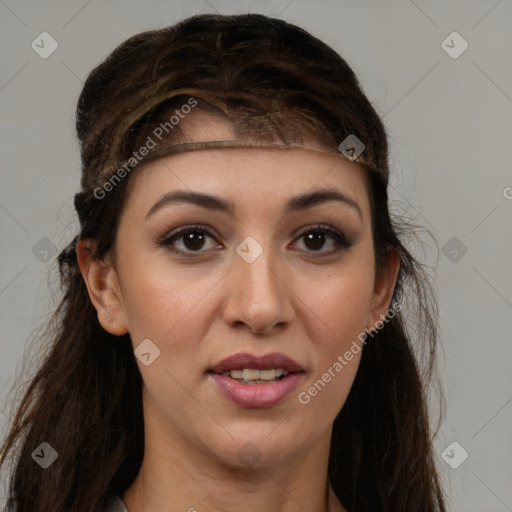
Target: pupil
<point>315,240</point>
<point>193,240</point>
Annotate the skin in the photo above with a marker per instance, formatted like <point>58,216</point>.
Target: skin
<point>199,310</point>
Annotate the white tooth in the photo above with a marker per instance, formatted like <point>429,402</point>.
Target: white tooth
<point>248,374</point>
<point>267,374</point>
<point>236,374</point>
<point>279,372</point>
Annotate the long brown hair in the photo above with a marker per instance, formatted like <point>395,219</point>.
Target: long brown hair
<point>272,81</point>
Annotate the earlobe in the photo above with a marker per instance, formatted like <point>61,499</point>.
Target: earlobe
<point>102,284</point>
<point>384,287</point>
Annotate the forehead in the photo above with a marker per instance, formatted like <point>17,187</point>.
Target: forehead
<point>243,175</point>
<point>251,179</point>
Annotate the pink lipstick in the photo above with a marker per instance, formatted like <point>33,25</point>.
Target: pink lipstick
<point>256,381</point>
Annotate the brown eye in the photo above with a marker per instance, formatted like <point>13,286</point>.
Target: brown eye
<point>317,237</point>
<point>193,240</point>
<point>188,239</point>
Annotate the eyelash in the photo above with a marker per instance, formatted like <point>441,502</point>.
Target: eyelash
<point>339,238</point>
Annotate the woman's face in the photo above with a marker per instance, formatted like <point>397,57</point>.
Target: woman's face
<point>263,272</point>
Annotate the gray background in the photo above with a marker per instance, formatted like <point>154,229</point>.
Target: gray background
<point>450,127</point>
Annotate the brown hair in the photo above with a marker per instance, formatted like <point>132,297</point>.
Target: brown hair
<point>272,81</point>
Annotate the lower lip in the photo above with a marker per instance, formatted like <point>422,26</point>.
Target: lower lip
<point>257,395</point>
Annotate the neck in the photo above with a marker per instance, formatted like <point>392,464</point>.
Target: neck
<point>188,481</point>
<point>229,494</point>
<point>181,473</point>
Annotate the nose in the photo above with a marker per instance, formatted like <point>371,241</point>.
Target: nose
<point>259,294</point>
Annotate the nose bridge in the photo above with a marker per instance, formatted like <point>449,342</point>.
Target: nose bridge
<point>257,265</point>
<point>258,296</point>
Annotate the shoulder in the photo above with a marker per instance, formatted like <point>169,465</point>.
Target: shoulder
<point>112,504</point>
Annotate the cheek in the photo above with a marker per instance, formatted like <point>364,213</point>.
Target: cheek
<point>163,302</point>
<point>340,299</point>
<point>343,312</point>
<point>338,353</point>
<point>340,303</point>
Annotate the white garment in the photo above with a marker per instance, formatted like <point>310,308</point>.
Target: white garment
<point>115,504</point>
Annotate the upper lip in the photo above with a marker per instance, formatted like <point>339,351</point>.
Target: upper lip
<point>244,360</point>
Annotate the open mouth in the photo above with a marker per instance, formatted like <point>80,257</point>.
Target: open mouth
<point>250,380</point>
<point>251,376</point>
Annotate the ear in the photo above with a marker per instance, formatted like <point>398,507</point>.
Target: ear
<point>103,287</point>
<point>385,280</point>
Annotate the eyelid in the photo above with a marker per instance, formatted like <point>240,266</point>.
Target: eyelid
<point>339,236</point>
<point>319,227</point>
<point>178,232</point>
<point>343,242</point>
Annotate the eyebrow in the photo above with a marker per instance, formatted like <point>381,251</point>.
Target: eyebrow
<point>214,203</point>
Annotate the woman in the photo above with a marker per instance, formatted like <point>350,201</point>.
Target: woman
<point>231,335</point>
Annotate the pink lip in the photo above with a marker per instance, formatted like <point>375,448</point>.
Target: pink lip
<point>245,360</point>
<point>257,395</point>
